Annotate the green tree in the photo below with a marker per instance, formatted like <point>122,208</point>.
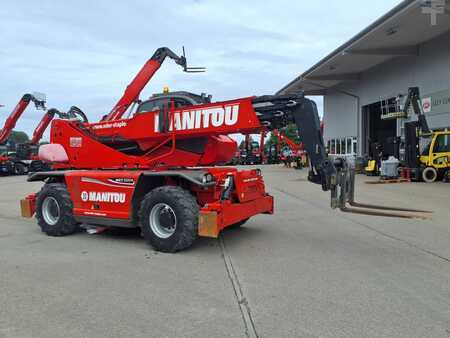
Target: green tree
<point>290,131</point>
<point>18,137</point>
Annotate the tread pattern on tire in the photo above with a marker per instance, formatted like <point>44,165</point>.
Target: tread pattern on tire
<point>19,169</point>
<point>186,210</point>
<point>67,225</point>
<point>424,176</point>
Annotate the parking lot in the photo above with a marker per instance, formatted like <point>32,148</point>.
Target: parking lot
<point>306,271</point>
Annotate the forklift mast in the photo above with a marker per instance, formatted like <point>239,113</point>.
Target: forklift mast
<point>413,99</point>
<point>414,130</point>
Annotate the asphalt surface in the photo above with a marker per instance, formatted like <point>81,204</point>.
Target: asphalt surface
<point>306,271</point>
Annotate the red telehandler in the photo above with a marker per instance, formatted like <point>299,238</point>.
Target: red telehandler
<point>154,168</point>
<point>297,153</point>
<point>27,152</point>
<point>12,162</point>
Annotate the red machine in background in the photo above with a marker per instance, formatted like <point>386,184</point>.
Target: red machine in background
<point>251,153</point>
<point>16,161</point>
<point>296,152</point>
<point>27,152</point>
<point>155,168</point>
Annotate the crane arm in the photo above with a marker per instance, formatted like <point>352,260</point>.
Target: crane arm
<point>17,112</point>
<point>141,79</point>
<point>42,126</point>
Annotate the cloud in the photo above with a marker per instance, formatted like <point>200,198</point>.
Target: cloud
<point>84,53</point>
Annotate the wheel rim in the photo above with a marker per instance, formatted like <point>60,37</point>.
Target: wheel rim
<point>430,174</point>
<point>163,220</point>
<point>51,210</point>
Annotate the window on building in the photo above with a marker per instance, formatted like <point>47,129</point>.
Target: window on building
<point>349,145</point>
<point>342,146</point>
<point>333,147</point>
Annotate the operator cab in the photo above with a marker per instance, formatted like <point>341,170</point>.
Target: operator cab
<point>164,101</point>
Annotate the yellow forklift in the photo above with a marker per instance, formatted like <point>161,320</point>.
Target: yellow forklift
<point>433,162</point>
<point>435,159</point>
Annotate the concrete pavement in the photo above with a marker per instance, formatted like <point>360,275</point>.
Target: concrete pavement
<point>306,271</point>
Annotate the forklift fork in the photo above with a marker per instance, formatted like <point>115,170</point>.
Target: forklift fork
<point>343,197</point>
<point>337,176</point>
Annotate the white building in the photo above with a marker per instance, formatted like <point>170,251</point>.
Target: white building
<point>407,47</point>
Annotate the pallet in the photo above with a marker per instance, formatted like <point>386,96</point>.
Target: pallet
<point>390,181</point>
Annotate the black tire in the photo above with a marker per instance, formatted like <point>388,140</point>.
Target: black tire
<point>446,177</point>
<point>65,223</point>
<point>180,207</point>
<point>19,169</point>
<point>238,224</point>
<point>429,175</point>
<point>37,166</point>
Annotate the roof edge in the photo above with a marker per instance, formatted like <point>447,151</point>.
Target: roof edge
<point>400,7</point>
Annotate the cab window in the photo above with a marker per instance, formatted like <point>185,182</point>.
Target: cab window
<point>442,144</point>
<point>180,103</point>
<point>151,106</point>
<point>160,104</point>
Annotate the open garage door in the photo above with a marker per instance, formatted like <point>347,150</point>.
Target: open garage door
<point>379,133</point>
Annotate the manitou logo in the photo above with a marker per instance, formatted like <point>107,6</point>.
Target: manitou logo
<point>202,118</point>
<point>108,197</point>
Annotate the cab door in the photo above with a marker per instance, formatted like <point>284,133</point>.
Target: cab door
<point>440,155</point>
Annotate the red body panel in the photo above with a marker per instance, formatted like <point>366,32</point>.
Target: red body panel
<point>108,194</point>
<point>232,213</point>
<point>100,193</point>
<point>210,121</point>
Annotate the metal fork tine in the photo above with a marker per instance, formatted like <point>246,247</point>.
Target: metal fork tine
<point>344,194</point>
<point>383,214</point>
<point>380,207</point>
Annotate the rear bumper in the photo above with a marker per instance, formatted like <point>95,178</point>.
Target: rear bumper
<point>217,216</point>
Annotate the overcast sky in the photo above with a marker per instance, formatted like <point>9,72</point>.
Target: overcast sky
<point>84,53</point>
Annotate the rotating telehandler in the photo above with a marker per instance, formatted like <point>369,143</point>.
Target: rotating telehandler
<point>156,167</point>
